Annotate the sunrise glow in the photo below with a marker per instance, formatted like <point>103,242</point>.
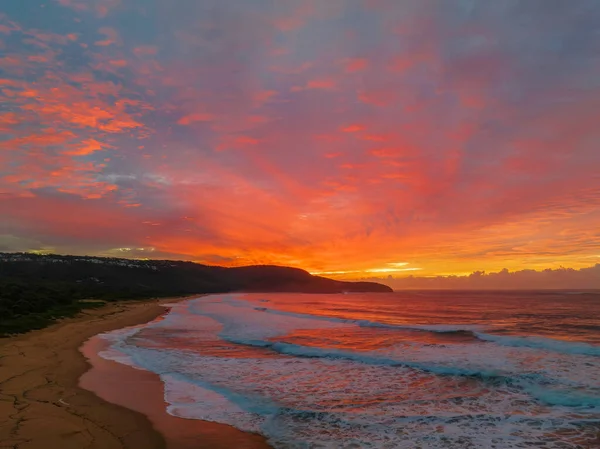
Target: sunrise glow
<point>336,136</point>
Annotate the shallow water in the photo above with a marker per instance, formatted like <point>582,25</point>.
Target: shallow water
<point>402,370</point>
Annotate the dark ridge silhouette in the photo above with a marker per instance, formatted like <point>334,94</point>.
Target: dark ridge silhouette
<point>35,289</point>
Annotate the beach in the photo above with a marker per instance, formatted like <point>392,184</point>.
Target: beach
<point>42,404</point>
<point>366,370</point>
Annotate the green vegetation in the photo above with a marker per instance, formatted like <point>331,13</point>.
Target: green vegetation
<point>36,289</point>
<point>26,305</point>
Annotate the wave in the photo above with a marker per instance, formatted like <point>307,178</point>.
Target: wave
<point>484,392</point>
<point>476,330</point>
<point>297,426</point>
<point>547,344</point>
<point>532,383</point>
<point>314,352</point>
<point>436,328</point>
<point>554,396</point>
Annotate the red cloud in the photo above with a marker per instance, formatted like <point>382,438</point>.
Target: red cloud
<point>323,83</point>
<point>352,128</point>
<point>377,96</point>
<point>195,117</point>
<point>352,65</point>
<point>318,84</point>
<point>263,96</point>
<point>246,140</point>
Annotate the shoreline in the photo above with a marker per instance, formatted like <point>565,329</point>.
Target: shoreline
<point>43,405</point>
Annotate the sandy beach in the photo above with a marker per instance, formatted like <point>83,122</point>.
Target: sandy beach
<point>42,404</point>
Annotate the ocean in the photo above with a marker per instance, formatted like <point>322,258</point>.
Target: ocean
<point>428,369</point>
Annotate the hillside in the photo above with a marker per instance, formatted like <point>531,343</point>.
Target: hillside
<point>36,288</point>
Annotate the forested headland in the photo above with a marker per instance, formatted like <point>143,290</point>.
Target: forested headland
<point>36,289</point>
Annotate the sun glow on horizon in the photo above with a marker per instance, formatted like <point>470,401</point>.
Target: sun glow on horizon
<point>329,136</point>
<point>366,271</point>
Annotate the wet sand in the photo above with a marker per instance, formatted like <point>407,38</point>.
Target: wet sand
<point>43,406</point>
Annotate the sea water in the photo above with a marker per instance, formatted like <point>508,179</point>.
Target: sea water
<point>399,370</point>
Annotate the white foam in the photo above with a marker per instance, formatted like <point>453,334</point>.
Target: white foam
<point>192,401</point>
<point>298,402</point>
<point>535,342</point>
<point>437,328</point>
<point>393,397</point>
<point>117,339</point>
<point>548,344</point>
<point>242,322</point>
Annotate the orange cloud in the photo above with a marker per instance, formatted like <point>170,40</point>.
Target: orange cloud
<point>7,121</point>
<point>46,137</point>
<point>384,152</point>
<point>375,137</point>
<point>87,147</point>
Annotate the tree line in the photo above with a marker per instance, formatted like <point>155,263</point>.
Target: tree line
<point>36,289</point>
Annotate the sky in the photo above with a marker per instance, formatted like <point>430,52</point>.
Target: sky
<point>351,138</point>
<point>577,280</point>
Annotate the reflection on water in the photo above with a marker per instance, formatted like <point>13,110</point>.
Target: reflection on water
<point>414,369</point>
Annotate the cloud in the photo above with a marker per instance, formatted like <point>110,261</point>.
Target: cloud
<point>559,278</point>
<point>145,50</point>
<point>316,84</point>
<point>112,37</point>
<point>100,7</point>
<point>195,117</point>
<point>336,136</point>
<point>352,65</point>
<point>353,128</point>
<point>88,147</point>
